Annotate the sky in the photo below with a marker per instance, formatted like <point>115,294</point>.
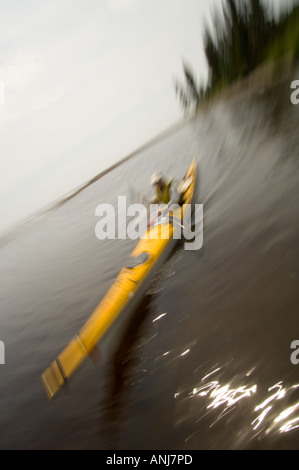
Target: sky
<point>82,85</point>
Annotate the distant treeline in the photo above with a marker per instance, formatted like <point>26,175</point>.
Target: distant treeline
<point>244,34</point>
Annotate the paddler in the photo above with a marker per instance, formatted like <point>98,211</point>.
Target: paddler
<point>162,189</point>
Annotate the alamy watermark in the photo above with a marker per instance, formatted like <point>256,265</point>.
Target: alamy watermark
<point>295,95</point>
<point>295,354</point>
<point>135,220</point>
<point>2,353</point>
<point>2,92</point>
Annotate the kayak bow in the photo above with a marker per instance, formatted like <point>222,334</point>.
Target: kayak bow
<point>112,316</point>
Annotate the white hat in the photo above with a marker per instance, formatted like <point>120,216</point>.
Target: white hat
<point>155,178</point>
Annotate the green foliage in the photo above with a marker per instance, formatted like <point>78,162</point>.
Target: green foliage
<point>244,35</point>
<point>287,37</point>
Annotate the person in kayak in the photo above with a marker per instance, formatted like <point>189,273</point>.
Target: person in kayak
<point>162,189</point>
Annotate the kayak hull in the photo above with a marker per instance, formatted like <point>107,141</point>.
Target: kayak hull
<point>110,342</point>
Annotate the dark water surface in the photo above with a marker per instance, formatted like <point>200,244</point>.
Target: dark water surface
<point>213,372</point>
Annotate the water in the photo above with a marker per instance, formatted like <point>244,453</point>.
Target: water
<point>207,364</point>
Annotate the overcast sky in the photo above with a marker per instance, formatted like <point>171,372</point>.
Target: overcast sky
<point>86,83</point>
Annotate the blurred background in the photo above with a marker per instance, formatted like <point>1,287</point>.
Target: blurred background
<point>207,364</point>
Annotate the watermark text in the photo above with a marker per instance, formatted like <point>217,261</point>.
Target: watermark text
<point>2,92</point>
<point>154,222</point>
<point>295,94</point>
<point>2,353</point>
<point>295,354</point>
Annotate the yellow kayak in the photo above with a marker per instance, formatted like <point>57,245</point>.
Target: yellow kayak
<point>113,315</point>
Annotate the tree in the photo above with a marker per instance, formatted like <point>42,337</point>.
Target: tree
<point>242,35</point>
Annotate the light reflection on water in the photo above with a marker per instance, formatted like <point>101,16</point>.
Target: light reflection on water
<point>272,414</point>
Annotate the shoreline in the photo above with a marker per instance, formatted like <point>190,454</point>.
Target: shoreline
<point>133,154</point>
<point>8,235</point>
<point>265,77</point>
